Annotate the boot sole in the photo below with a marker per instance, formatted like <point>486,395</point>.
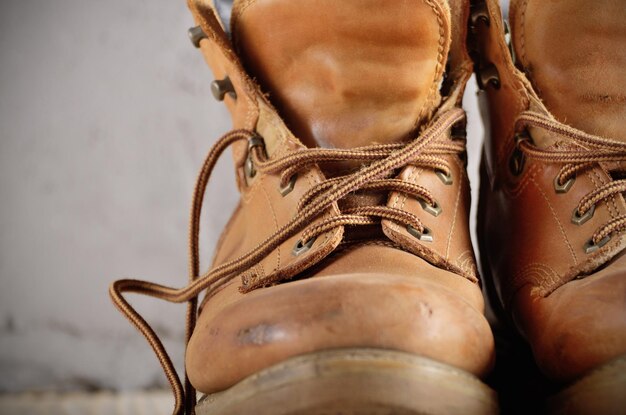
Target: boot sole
<point>602,392</point>
<point>355,382</point>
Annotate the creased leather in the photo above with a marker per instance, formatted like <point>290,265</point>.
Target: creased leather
<point>573,52</point>
<point>451,247</point>
<point>371,292</point>
<point>261,193</point>
<point>346,73</point>
<point>567,303</point>
<point>368,296</point>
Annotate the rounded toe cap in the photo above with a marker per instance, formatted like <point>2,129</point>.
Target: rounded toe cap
<point>577,328</point>
<point>237,337</point>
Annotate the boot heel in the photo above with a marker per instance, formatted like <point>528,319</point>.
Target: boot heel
<point>355,381</point>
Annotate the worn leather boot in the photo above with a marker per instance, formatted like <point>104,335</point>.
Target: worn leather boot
<point>552,211</point>
<point>345,281</point>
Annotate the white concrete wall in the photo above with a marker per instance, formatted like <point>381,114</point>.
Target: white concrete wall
<point>105,116</point>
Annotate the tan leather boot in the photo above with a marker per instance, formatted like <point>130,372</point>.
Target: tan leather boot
<point>345,281</point>
<point>552,211</point>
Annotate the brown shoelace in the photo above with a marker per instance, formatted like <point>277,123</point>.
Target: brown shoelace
<point>590,151</point>
<point>427,150</point>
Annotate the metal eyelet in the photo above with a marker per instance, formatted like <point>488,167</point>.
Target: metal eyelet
<point>518,160</point>
<point>479,14</point>
<point>591,247</point>
<point>255,141</point>
<point>285,190</point>
<point>196,34</point>
<point>563,188</point>
<point>221,87</point>
<point>425,236</point>
<point>301,247</point>
<point>578,219</point>
<point>488,75</point>
<point>249,169</point>
<point>434,210</point>
<point>445,178</point>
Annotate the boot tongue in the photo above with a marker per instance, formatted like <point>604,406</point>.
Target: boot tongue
<point>346,73</point>
<point>574,54</point>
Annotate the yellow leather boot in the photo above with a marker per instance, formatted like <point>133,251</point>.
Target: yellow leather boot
<point>552,211</point>
<point>345,281</point>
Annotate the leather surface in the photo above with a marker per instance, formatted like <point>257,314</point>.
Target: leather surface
<point>385,291</point>
<point>346,73</point>
<point>451,247</point>
<point>573,52</point>
<point>568,304</point>
<point>580,326</point>
<point>263,210</point>
<point>371,296</point>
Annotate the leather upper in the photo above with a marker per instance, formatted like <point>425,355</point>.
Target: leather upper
<point>345,73</point>
<point>574,54</point>
<point>377,286</point>
<point>568,302</point>
<point>370,295</point>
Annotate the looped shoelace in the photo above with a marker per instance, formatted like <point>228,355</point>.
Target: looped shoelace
<point>426,150</point>
<point>590,151</point>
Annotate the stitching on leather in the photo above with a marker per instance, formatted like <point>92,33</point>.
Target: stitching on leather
<point>257,272</point>
<point>249,114</point>
<point>314,178</point>
<point>539,275</point>
<point>431,256</point>
<point>250,110</point>
<point>282,144</point>
<point>311,177</point>
<point>415,172</point>
<point>259,268</point>
<point>615,208</point>
<point>456,211</point>
<point>529,176</point>
<point>511,75</point>
<point>612,207</point>
<point>466,262</point>
<point>412,179</point>
<point>440,61</point>
<point>225,231</point>
<point>230,65</point>
<point>524,7</point>
<point>556,218</point>
<point>269,201</point>
<point>251,190</point>
<point>279,276</point>
<point>243,6</point>
<point>591,174</point>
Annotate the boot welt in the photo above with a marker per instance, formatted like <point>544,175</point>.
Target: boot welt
<point>603,391</point>
<point>355,381</point>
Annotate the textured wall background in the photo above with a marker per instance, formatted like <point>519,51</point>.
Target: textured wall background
<point>105,117</point>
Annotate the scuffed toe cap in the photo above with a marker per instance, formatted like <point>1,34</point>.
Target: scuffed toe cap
<point>236,338</point>
<point>580,326</point>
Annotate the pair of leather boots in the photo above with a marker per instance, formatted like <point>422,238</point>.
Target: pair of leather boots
<point>345,281</point>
